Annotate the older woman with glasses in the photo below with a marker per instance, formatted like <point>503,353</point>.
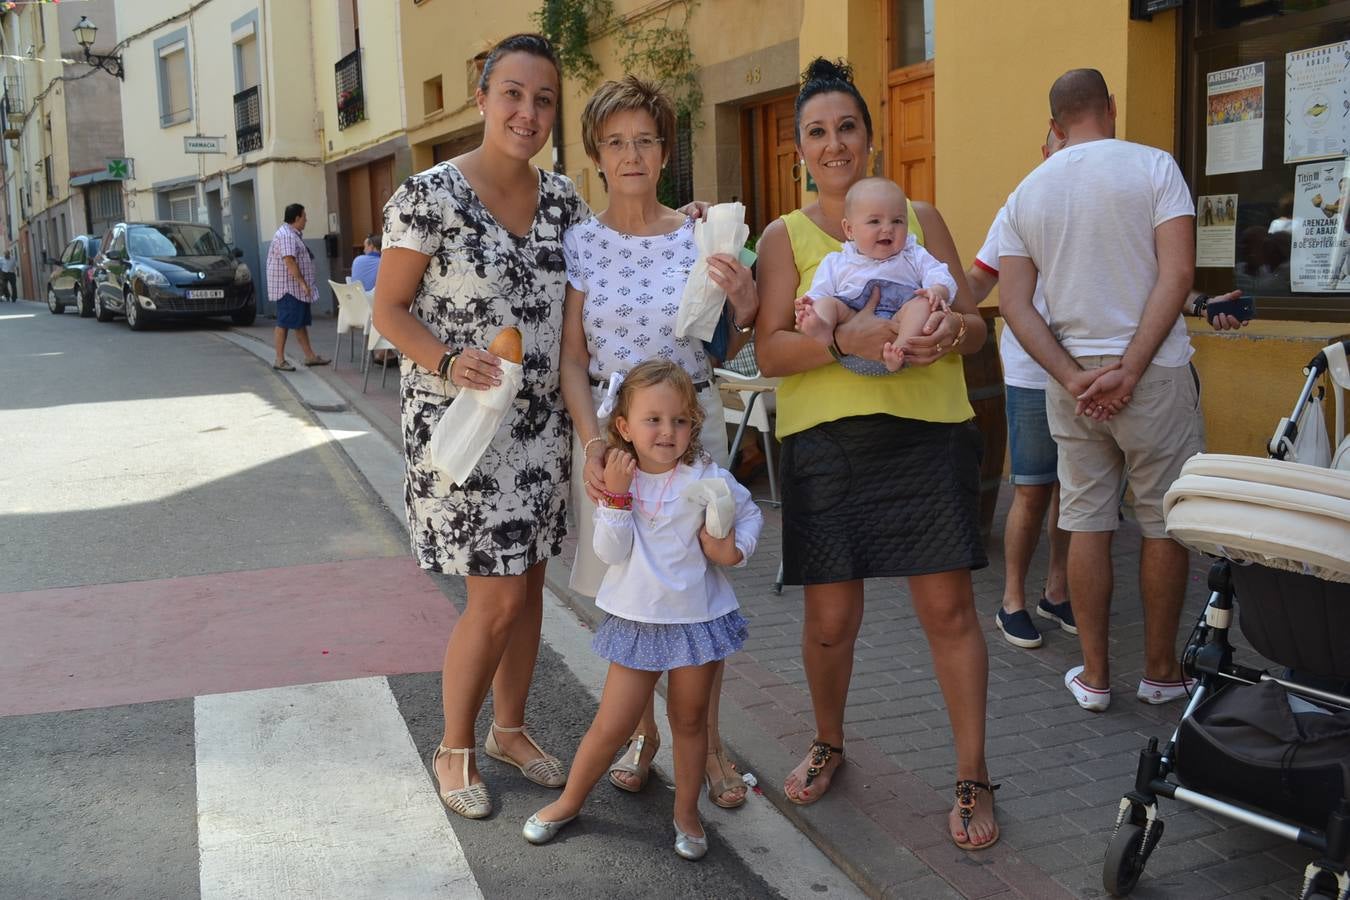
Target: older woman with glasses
<point>626,270</point>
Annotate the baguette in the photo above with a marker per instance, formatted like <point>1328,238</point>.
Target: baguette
<point>508,345</point>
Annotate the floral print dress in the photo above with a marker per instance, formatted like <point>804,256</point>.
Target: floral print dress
<point>509,514</point>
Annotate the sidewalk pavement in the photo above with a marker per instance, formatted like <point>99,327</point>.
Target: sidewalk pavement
<point>1063,770</point>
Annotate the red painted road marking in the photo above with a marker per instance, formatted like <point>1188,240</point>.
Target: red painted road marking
<point>107,645</point>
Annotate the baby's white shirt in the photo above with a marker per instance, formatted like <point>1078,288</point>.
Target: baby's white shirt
<point>846,272</point>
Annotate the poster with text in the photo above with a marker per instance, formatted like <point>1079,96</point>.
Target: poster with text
<point>1235,119</point>
<point>1215,230</point>
<point>1320,255</point>
<point>1317,102</point>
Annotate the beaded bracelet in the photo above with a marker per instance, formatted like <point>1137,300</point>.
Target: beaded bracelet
<point>586,447</point>
<point>617,501</point>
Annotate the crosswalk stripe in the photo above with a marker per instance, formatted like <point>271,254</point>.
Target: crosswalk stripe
<point>316,790</point>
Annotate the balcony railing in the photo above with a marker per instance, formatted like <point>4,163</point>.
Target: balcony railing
<point>351,98</point>
<point>248,120</point>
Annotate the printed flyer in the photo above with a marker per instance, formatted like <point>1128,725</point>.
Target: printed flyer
<point>1317,102</point>
<point>1235,119</point>
<point>1215,230</point>
<point>1320,255</point>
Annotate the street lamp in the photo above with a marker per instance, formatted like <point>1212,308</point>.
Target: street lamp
<point>85,32</point>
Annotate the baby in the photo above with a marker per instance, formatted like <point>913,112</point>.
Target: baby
<point>880,253</point>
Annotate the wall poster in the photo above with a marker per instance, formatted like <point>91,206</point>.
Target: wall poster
<point>1320,255</point>
<point>1215,230</point>
<point>1317,102</point>
<point>1235,119</point>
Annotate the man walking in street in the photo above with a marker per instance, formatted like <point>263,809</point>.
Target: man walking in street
<point>8,280</point>
<point>290,279</point>
<point>1109,227</point>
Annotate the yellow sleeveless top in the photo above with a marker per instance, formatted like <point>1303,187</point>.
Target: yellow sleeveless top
<point>935,393</point>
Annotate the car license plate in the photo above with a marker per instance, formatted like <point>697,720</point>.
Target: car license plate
<point>206,295</point>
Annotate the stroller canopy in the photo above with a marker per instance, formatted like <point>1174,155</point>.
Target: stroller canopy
<point>1279,514</point>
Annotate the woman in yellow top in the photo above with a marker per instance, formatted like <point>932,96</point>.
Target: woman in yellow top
<point>880,473</point>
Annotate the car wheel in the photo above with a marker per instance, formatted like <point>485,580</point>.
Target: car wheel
<point>101,312</point>
<point>135,318</point>
<point>245,315</point>
<point>56,306</point>
<point>85,304</point>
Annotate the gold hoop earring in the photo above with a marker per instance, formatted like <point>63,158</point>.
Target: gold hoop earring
<point>796,171</point>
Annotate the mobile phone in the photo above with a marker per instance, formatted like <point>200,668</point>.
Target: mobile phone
<point>1242,308</point>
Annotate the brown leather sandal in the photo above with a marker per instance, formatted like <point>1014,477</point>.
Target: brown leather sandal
<point>727,781</point>
<point>820,755</point>
<point>965,802</point>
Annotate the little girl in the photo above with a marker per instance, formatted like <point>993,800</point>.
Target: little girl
<point>670,606</point>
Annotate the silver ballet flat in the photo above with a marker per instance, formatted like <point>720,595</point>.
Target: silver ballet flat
<point>537,831</point>
<point>688,846</point>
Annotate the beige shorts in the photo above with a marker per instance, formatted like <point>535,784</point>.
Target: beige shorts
<point>587,570</point>
<point>1145,444</point>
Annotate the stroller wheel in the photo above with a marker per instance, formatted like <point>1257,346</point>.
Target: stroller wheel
<point>1123,865</point>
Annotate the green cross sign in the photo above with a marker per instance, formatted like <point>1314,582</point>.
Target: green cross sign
<point>119,169</point>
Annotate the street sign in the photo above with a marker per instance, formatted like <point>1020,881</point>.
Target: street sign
<point>199,143</point>
<point>119,169</point>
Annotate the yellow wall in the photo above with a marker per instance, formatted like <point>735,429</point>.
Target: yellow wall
<point>438,38</point>
<point>381,76</point>
<point>995,64</point>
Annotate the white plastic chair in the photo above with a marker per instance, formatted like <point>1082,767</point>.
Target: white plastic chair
<point>374,341</point>
<point>750,409</point>
<point>353,312</point>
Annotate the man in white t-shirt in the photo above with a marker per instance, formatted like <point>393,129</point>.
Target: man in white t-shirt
<point>1109,228</point>
<point>1033,465</point>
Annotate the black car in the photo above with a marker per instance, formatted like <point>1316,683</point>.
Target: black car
<point>71,282</point>
<point>161,270</point>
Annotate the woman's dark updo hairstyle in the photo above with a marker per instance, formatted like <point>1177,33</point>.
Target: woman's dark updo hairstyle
<point>534,44</point>
<point>823,76</point>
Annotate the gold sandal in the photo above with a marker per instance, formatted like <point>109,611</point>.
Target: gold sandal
<point>725,783</point>
<point>631,763</point>
<point>544,770</point>
<point>471,801</point>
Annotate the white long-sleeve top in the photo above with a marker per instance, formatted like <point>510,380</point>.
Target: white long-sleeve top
<point>657,570</point>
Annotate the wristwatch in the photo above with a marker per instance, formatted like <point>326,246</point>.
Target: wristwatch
<point>1199,304</point>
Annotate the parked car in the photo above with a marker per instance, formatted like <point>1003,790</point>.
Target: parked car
<point>71,282</point>
<point>160,270</point>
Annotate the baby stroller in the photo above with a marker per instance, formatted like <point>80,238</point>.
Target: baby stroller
<point>1269,751</point>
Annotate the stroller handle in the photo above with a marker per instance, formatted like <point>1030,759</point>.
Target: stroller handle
<point>1319,363</point>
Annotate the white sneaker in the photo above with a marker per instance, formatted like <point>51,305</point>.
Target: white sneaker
<point>1160,692</point>
<point>1090,698</point>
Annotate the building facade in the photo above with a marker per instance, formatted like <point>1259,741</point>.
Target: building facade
<point>358,73</point>
<point>226,127</point>
<point>62,123</point>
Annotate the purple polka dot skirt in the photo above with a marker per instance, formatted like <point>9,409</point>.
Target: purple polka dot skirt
<point>659,648</point>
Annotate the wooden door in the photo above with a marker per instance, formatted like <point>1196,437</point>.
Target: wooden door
<point>769,175</point>
<point>910,157</point>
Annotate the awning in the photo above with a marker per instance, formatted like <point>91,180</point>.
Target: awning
<point>92,178</point>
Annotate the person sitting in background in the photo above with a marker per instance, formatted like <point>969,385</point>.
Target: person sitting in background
<point>366,266</point>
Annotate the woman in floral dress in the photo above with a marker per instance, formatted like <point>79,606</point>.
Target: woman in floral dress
<point>474,245</point>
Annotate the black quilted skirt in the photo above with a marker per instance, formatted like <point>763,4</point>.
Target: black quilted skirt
<point>881,496</point>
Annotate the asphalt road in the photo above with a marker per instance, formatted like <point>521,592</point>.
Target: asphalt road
<point>169,507</point>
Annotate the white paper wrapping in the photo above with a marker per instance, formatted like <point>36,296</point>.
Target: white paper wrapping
<point>722,230</point>
<point>466,429</point>
<point>715,495</point>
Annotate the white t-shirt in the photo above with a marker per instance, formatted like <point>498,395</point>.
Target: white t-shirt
<point>633,287</point>
<point>1085,217</point>
<point>1019,369</point>
<point>657,570</point>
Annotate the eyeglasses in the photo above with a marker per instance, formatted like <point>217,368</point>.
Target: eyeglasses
<point>643,144</point>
